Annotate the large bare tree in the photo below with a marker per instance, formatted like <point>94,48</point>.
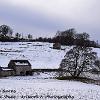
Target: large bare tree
<point>78,59</point>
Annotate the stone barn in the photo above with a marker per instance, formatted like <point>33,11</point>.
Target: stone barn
<point>20,67</point>
<point>56,46</point>
<point>4,71</point>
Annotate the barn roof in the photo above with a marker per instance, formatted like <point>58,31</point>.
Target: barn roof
<point>5,69</point>
<point>21,62</point>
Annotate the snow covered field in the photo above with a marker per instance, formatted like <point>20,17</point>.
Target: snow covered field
<point>37,87</point>
<point>28,88</point>
<point>40,55</point>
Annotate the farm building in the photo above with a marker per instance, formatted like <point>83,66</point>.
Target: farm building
<point>6,72</point>
<point>56,46</point>
<point>20,67</point>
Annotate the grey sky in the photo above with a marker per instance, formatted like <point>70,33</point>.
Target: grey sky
<point>45,17</point>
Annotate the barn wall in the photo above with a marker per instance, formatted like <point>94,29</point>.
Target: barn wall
<point>5,73</point>
<point>21,70</point>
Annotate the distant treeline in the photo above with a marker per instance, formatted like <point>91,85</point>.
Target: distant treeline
<point>7,35</point>
<point>70,37</point>
<point>67,37</point>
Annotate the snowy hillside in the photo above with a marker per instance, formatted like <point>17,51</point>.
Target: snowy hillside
<point>40,55</point>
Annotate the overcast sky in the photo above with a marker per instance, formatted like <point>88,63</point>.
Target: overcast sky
<point>45,17</point>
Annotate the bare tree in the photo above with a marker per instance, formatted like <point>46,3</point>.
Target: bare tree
<point>82,36</point>
<point>18,35</point>
<point>67,33</point>
<point>78,59</point>
<point>30,37</point>
<point>6,30</point>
